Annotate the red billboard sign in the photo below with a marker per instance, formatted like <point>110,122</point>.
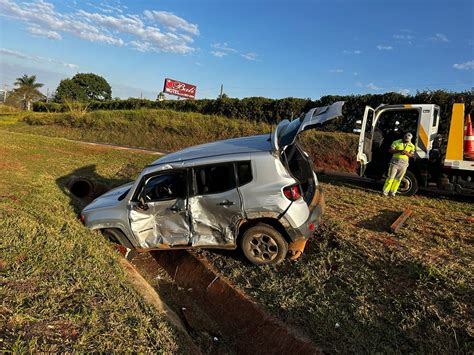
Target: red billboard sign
<point>179,88</point>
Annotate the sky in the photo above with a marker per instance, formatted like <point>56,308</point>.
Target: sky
<point>274,49</point>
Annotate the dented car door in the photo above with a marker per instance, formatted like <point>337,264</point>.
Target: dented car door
<point>159,214</point>
<point>215,205</point>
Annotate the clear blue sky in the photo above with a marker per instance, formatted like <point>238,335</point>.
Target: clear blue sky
<point>255,48</point>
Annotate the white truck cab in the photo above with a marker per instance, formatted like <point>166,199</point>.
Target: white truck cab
<point>432,166</point>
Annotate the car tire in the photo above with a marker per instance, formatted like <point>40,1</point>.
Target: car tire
<point>408,185</point>
<point>112,235</point>
<point>263,245</point>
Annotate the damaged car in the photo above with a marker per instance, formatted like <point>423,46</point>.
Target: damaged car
<point>257,193</point>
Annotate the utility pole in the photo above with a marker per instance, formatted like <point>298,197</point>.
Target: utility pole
<point>5,93</point>
<point>141,95</point>
<point>47,95</point>
<point>222,91</point>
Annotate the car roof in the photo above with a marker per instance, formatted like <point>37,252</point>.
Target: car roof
<point>250,144</point>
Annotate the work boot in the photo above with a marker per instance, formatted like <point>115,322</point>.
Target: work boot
<point>384,193</point>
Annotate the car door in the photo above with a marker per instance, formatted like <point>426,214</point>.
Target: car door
<point>159,214</point>
<point>215,205</point>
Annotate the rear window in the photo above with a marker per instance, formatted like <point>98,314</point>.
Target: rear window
<point>289,133</point>
<point>215,179</point>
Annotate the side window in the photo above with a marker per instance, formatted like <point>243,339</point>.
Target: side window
<point>214,179</point>
<point>244,172</point>
<point>165,187</point>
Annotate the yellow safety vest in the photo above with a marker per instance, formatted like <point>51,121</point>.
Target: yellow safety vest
<point>400,145</point>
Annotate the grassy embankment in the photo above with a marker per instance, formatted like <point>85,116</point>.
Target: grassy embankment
<point>359,288</point>
<point>60,284</point>
<point>170,130</point>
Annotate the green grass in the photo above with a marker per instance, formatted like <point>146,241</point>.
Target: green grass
<point>410,292</point>
<point>171,130</point>
<point>61,286</point>
<point>359,288</point>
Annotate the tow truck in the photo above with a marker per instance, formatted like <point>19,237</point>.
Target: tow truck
<point>439,165</point>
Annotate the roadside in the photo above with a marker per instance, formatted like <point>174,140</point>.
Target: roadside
<point>62,286</point>
<point>166,130</point>
<point>357,288</point>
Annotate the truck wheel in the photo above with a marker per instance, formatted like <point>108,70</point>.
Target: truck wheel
<point>263,245</point>
<point>408,185</point>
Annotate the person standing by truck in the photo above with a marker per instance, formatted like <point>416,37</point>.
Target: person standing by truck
<point>402,150</point>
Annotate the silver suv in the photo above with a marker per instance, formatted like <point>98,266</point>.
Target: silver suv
<point>258,192</point>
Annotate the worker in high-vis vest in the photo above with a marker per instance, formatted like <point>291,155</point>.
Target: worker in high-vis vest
<point>402,150</point>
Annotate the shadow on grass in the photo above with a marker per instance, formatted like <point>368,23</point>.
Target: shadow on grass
<point>75,185</point>
<point>381,222</point>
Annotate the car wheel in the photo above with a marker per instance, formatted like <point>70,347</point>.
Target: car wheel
<point>263,245</point>
<point>112,235</point>
<point>408,185</point>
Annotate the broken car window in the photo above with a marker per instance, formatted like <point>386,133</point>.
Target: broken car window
<point>165,187</point>
<point>214,179</point>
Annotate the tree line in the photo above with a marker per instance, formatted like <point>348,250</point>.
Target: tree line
<point>94,93</point>
<point>274,110</point>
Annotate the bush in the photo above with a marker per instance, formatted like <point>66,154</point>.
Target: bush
<point>41,106</point>
<point>272,111</point>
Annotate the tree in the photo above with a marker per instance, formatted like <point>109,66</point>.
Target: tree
<point>26,91</point>
<point>84,87</point>
<point>68,89</point>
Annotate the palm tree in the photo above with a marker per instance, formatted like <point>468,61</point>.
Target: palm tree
<point>28,90</point>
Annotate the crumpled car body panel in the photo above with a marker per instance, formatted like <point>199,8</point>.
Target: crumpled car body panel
<point>212,219</point>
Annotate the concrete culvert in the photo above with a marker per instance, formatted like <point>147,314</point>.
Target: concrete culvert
<point>81,187</point>
<point>85,188</point>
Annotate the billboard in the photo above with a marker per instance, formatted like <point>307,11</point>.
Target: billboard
<point>179,88</point>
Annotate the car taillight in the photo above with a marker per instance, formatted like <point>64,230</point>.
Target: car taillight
<point>82,218</point>
<point>292,193</point>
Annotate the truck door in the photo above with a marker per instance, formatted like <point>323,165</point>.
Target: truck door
<point>364,152</point>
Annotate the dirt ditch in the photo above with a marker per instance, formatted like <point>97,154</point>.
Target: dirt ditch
<point>219,316</point>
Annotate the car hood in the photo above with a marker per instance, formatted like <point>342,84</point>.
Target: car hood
<point>110,198</point>
<point>287,131</point>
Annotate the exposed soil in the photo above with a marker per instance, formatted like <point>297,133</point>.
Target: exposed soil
<point>219,316</point>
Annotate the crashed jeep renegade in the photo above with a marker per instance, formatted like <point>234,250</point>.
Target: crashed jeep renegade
<point>258,192</point>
